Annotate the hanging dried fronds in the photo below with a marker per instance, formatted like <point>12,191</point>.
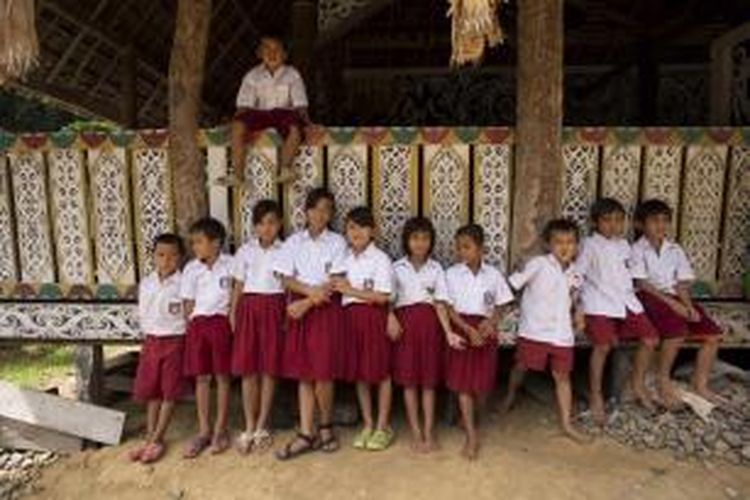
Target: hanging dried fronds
<point>475,26</point>
<point>19,48</point>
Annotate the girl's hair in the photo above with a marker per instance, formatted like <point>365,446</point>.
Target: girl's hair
<point>560,226</point>
<point>361,216</point>
<point>210,228</point>
<point>651,208</point>
<point>605,206</point>
<point>473,231</point>
<point>170,239</point>
<point>417,225</point>
<point>315,195</point>
<point>263,208</point>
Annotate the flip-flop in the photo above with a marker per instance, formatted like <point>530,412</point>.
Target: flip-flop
<point>220,443</point>
<point>288,452</point>
<point>244,443</point>
<point>197,445</point>
<point>331,443</point>
<point>153,453</point>
<point>360,442</point>
<point>134,455</point>
<point>380,440</point>
<point>262,440</point>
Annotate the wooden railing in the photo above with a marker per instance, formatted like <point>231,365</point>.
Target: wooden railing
<point>78,212</point>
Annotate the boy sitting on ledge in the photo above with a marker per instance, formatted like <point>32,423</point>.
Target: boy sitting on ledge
<point>272,95</point>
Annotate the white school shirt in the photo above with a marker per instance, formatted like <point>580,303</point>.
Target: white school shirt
<point>370,270</point>
<point>663,269</point>
<point>547,300</point>
<point>477,294</point>
<point>262,90</point>
<point>210,288</point>
<point>160,305</point>
<point>425,285</point>
<point>310,260</point>
<point>607,280</point>
<point>253,266</point>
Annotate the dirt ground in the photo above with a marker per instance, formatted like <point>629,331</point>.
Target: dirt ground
<point>523,456</point>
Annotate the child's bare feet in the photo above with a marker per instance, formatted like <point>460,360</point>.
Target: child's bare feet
<point>711,396</point>
<point>417,444</point>
<point>575,435</point>
<point>668,396</point>
<point>470,451</point>
<point>643,397</point>
<point>596,403</point>
<point>431,444</point>
<point>507,405</point>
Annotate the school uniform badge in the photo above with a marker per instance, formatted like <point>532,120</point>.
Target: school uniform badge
<point>430,290</point>
<point>175,308</point>
<point>225,282</point>
<point>328,266</point>
<point>489,298</point>
<point>369,284</point>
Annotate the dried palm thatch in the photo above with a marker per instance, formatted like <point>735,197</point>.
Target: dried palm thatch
<point>19,48</point>
<point>475,26</point>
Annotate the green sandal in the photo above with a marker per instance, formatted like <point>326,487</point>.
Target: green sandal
<point>380,440</point>
<point>360,442</point>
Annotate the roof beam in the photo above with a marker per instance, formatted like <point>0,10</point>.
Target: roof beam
<point>356,18</point>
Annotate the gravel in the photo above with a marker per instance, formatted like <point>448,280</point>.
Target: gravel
<point>19,470</point>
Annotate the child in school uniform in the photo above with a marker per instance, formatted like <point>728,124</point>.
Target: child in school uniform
<point>476,291</point>
<point>312,348</point>
<point>418,321</point>
<point>366,285</point>
<point>159,381</point>
<point>611,308</point>
<point>257,311</point>
<point>663,277</point>
<point>272,95</point>
<point>546,335</point>
<point>206,291</point>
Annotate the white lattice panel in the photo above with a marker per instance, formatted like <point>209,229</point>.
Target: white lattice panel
<point>260,165</point>
<point>621,169</point>
<point>152,184</point>
<point>347,178</point>
<point>492,198</point>
<point>309,166</point>
<point>32,217</point>
<point>218,193</point>
<point>70,216</point>
<point>661,175</point>
<point>8,271</point>
<point>579,181</point>
<point>395,193</point>
<point>701,213</point>
<point>737,221</point>
<point>446,194</point>
<point>115,263</point>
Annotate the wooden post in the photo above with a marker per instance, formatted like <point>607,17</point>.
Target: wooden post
<point>89,362</point>
<point>538,163</point>
<point>304,30</point>
<point>186,66</point>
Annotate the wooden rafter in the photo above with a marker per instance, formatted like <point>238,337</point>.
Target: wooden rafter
<point>355,19</point>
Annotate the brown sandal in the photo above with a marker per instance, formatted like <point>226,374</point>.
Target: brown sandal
<point>289,451</point>
<point>331,443</point>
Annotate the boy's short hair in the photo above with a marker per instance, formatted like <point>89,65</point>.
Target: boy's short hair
<point>417,225</point>
<point>276,38</point>
<point>263,208</point>
<point>651,208</point>
<point>560,226</point>
<point>473,231</point>
<point>315,195</point>
<point>605,206</point>
<point>361,216</point>
<point>211,228</point>
<point>170,239</point>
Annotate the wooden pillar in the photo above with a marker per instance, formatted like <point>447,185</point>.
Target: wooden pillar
<point>538,161</point>
<point>89,362</point>
<point>129,107</point>
<point>304,31</point>
<point>186,66</point>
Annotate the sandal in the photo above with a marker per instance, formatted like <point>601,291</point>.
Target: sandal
<point>244,443</point>
<point>380,440</point>
<point>197,446</point>
<point>360,442</point>
<point>134,455</point>
<point>289,451</point>
<point>262,440</point>
<point>152,453</point>
<point>331,443</point>
<point>220,443</point>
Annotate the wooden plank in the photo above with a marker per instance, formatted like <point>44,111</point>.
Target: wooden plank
<point>102,425</point>
<point>17,435</point>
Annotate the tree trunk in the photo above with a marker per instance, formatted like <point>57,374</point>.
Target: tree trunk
<point>186,66</point>
<point>539,165</point>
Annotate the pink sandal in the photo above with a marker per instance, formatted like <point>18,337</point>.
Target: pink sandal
<point>153,453</point>
<point>135,454</point>
<point>196,447</point>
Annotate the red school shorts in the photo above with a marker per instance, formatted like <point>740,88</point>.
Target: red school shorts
<point>671,325</point>
<point>606,330</point>
<point>473,369</point>
<point>535,356</point>
<point>258,341</point>
<point>281,120</point>
<point>208,346</point>
<point>159,375</point>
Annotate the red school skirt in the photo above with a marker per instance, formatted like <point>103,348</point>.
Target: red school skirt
<point>418,354</point>
<point>367,343</point>
<point>313,344</point>
<point>159,374</point>
<point>671,325</point>
<point>208,346</point>
<point>259,336</point>
<point>472,369</point>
